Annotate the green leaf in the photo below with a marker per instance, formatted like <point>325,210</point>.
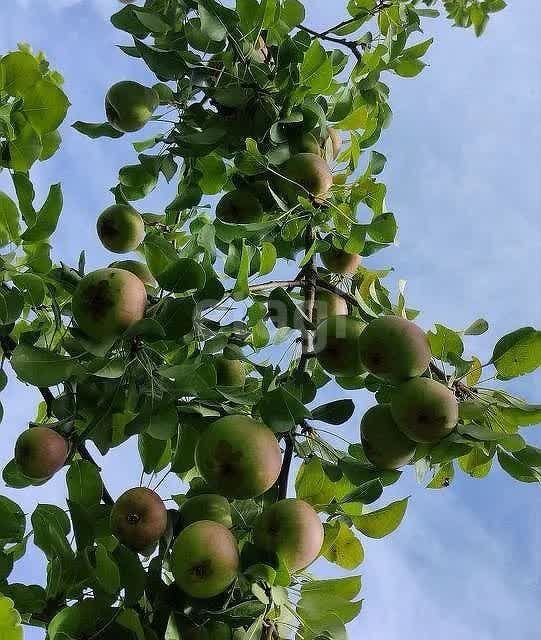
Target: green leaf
<point>316,69</point>
<point>530,456</point>
<point>106,571</point>
<point>21,72</point>
<point>367,493</point>
<point>445,342</point>
<point>155,454</point>
<point>97,130</point>
<point>281,411</point>
<point>336,412</point>
<point>10,620</point>
<point>12,521</point>
<point>418,50</point>
<point>408,67</point>
<point>211,25</point>
<point>51,528</point>
<point>11,305</point>
<point>292,13</point>
<point>517,353</point>
<point>9,220</point>
<point>40,367</point>
<point>47,217</point>
<point>268,258</point>
<point>346,588</point>
<point>517,469</point>
<point>46,106</point>
<point>341,547</point>
<point>380,523</point>
<point>84,483</point>
<point>182,275</point>
<point>133,576</point>
<point>214,174</point>
<point>283,312</point>
<point>477,328</point>
<point>83,618</point>
<point>242,288</point>
<point>25,149</point>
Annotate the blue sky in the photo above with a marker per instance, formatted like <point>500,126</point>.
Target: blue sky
<point>463,179</point>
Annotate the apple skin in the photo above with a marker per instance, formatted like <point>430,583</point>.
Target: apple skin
<point>107,302</point>
<point>306,174</point>
<point>205,559</point>
<point>120,228</point>
<point>239,207</point>
<point>130,105</point>
<point>208,506</point>
<point>339,261</point>
<point>328,304</point>
<point>139,518</point>
<point>239,457</point>
<point>394,349</point>
<point>425,410</point>
<point>384,444</point>
<point>40,452</point>
<point>229,373</point>
<point>138,269</point>
<point>292,529</point>
<point>337,345</point>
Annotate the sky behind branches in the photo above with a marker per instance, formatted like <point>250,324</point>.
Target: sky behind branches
<point>463,181</point>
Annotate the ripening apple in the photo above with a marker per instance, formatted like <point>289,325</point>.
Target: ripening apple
<point>239,457</point>
<point>337,345</point>
<point>394,349</point>
<point>306,175</point>
<point>139,518</point>
<point>384,444</point>
<point>205,559</point>
<point>292,529</point>
<point>107,302</point>
<point>40,452</point>
<point>425,410</point>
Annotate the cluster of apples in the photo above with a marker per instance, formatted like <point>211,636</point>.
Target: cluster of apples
<point>396,351</point>
<point>238,458</point>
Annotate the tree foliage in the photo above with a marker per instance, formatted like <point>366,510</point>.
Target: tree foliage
<point>253,103</point>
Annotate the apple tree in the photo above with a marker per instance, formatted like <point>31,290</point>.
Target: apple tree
<point>210,346</point>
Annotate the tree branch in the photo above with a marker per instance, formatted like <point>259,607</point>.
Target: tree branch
<point>309,278</point>
<point>349,44</point>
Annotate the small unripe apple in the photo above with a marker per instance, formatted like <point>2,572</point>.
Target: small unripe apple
<point>40,452</point>
<point>130,105</point>
<point>120,228</point>
<point>229,373</point>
